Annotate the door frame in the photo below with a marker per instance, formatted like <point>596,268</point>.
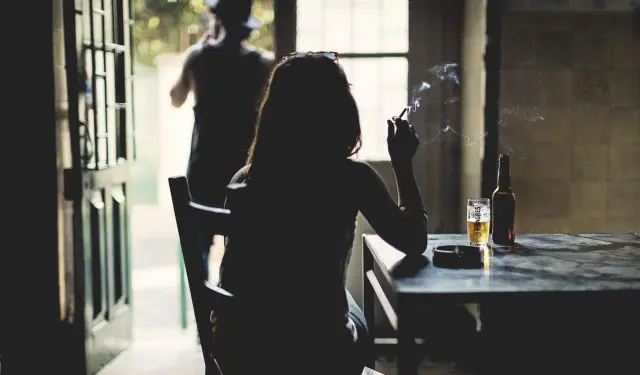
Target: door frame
<point>284,27</point>
<point>83,180</point>
<point>30,323</point>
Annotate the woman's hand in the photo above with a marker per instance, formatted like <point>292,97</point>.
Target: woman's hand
<point>402,141</point>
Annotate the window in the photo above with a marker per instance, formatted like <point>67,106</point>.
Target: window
<point>105,63</point>
<point>372,39</point>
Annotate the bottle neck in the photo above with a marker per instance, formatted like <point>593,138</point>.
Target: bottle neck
<point>504,176</point>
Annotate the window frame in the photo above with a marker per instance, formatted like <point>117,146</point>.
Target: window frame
<point>372,56</point>
<point>434,36</point>
<point>351,55</point>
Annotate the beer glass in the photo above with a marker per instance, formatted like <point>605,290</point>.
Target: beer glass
<point>478,221</point>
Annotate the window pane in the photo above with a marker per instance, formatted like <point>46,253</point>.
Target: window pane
<point>310,41</point>
<point>379,86</point>
<point>367,38</point>
<point>338,36</point>
<point>309,14</point>
<point>263,37</point>
<point>98,23</point>
<point>108,21</point>
<point>353,26</point>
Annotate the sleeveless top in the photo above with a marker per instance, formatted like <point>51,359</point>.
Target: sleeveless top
<point>228,87</point>
<point>287,265</point>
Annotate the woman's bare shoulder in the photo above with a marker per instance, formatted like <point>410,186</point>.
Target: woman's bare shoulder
<point>360,170</point>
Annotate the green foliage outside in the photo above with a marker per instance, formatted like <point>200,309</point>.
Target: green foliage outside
<point>170,25</point>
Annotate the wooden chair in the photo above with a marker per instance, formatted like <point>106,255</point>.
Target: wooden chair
<point>191,217</point>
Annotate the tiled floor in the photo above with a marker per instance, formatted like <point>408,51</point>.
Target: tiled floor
<point>160,346</point>
<point>168,352</point>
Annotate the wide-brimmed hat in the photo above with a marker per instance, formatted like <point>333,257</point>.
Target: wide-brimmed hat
<point>234,12</point>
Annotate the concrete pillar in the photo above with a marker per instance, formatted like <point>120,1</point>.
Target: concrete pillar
<point>473,100</point>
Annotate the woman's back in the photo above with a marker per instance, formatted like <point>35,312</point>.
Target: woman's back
<point>286,262</point>
<point>286,267</point>
<point>294,240</point>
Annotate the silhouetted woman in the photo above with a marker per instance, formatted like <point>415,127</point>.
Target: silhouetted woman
<point>286,266</point>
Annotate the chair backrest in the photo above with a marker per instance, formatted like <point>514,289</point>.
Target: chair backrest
<point>190,218</point>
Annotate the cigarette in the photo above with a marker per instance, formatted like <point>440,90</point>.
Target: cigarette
<point>402,113</point>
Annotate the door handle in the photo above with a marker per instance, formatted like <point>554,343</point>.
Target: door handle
<point>86,143</point>
<point>73,181</point>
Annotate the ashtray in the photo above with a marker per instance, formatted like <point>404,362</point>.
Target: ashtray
<point>457,256</point>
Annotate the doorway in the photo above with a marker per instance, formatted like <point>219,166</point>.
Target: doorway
<point>164,334</point>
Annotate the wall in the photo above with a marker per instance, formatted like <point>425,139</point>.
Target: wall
<point>473,75</point>
<point>63,161</point>
<point>163,138</point>
<point>30,262</point>
<point>143,188</point>
<point>174,125</point>
<point>576,170</point>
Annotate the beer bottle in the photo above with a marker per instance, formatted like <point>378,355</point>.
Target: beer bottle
<point>503,201</point>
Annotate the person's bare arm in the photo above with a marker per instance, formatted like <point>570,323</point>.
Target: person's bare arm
<point>183,86</point>
<point>403,225</point>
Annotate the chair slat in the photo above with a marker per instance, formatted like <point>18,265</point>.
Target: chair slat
<point>190,218</point>
<point>213,219</point>
<point>368,371</point>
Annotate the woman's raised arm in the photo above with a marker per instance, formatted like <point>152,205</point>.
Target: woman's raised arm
<point>403,225</point>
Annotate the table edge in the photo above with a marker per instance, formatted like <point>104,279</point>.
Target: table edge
<point>479,295</point>
<point>383,269</point>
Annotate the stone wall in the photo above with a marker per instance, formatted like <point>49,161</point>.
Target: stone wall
<point>577,169</point>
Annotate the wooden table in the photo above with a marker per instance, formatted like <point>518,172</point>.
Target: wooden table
<point>541,265</point>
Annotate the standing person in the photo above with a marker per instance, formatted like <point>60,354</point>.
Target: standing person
<point>226,78</point>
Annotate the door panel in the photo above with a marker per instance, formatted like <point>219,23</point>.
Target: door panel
<point>102,129</point>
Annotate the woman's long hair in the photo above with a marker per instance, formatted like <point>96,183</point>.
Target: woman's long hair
<point>307,112</point>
